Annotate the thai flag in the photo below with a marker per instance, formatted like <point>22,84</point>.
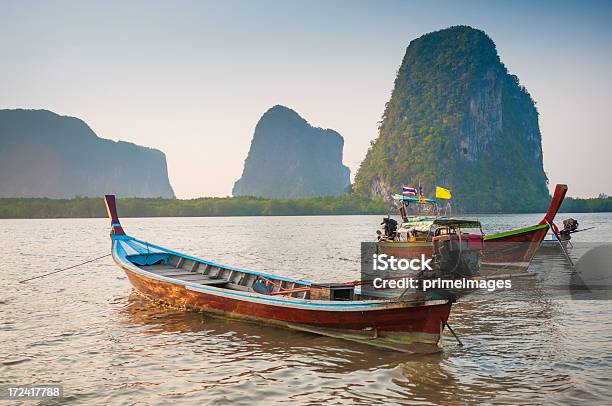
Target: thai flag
<point>408,190</point>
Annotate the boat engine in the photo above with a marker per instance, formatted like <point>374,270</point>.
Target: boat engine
<point>569,225</point>
<point>457,256</point>
<point>390,228</point>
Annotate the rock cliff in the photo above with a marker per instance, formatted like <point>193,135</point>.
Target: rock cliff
<point>43,154</point>
<point>458,119</point>
<point>289,158</point>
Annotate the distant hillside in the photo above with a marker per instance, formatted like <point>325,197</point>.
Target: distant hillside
<point>43,154</point>
<point>458,119</point>
<point>289,159</point>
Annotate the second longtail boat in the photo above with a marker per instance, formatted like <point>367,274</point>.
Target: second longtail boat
<point>508,251</point>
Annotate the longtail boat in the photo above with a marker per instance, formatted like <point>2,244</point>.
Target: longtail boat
<point>334,310</point>
<point>508,250</point>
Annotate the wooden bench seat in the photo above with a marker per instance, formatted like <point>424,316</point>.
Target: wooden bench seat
<point>174,273</point>
<point>206,281</point>
<point>201,279</point>
<point>159,268</point>
<point>169,271</point>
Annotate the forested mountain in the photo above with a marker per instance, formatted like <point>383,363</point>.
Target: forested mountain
<point>458,119</point>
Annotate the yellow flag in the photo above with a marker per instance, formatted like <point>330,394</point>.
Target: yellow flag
<point>442,193</point>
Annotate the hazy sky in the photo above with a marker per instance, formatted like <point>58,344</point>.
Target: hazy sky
<point>193,78</point>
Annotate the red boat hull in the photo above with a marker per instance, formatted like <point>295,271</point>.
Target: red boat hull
<point>516,248</point>
<point>419,324</point>
<point>511,249</point>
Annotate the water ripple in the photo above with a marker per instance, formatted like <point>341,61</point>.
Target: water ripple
<point>107,345</point>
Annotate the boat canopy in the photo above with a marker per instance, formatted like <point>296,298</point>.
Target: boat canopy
<point>424,228</point>
<point>413,199</point>
<point>460,223</point>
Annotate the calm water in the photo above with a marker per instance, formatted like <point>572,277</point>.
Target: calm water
<point>86,329</point>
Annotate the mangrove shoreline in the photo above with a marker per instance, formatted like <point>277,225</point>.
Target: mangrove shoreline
<point>86,207</point>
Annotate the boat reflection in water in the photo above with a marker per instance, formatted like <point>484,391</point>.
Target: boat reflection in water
<point>251,340</point>
<point>217,357</point>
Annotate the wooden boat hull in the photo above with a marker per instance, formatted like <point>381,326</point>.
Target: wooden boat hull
<point>183,281</point>
<point>515,251</point>
<point>509,250</point>
<point>516,248</point>
<point>406,249</point>
<point>424,322</point>
<point>393,325</point>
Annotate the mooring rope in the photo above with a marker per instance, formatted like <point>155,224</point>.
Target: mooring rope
<point>65,269</point>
